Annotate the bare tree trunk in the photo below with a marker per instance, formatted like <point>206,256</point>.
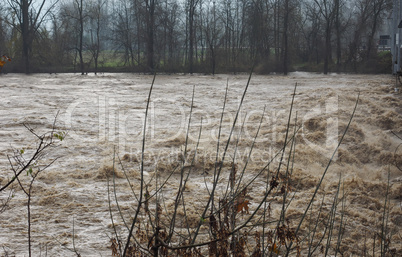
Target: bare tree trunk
<point>25,34</point>
<point>285,39</point>
<point>328,12</point>
<point>2,36</point>
<point>97,48</point>
<point>327,47</point>
<point>96,13</point>
<point>81,35</point>
<point>338,35</point>
<point>276,33</point>
<point>191,36</point>
<point>28,21</point>
<point>201,35</point>
<point>138,35</point>
<point>150,32</point>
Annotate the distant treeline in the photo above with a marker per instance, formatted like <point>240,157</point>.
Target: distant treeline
<point>194,36</point>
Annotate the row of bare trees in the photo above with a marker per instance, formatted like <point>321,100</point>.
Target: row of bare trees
<point>191,35</point>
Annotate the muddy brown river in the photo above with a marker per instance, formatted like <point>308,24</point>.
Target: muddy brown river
<point>103,117</point>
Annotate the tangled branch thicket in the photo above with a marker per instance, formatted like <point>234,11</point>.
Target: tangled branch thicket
<point>228,217</point>
<point>31,161</point>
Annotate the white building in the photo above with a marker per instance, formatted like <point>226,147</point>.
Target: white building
<point>395,35</point>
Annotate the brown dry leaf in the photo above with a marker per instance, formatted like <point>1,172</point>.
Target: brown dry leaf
<point>114,247</point>
<point>243,206</point>
<point>274,249</point>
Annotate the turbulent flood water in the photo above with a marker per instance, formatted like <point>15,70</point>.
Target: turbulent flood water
<point>104,116</point>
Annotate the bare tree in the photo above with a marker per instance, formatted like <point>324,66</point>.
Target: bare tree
<point>327,9</point>
<point>378,8</point>
<point>150,25</point>
<point>78,4</point>
<point>184,36</point>
<point>212,30</point>
<point>192,6</point>
<point>31,162</point>
<point>63,39</point>
<point>2,32</point>
<point>31,14</point>
<point>362,15</point>
<point>123,31</point>
<point>76,15</point>
<point>338,32</point>
<point>312,35</point>
<point>169,31</point>
<point>285,38</point>
<point>97,16</point>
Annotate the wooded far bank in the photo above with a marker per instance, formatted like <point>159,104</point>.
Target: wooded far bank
<point>195,36</point>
